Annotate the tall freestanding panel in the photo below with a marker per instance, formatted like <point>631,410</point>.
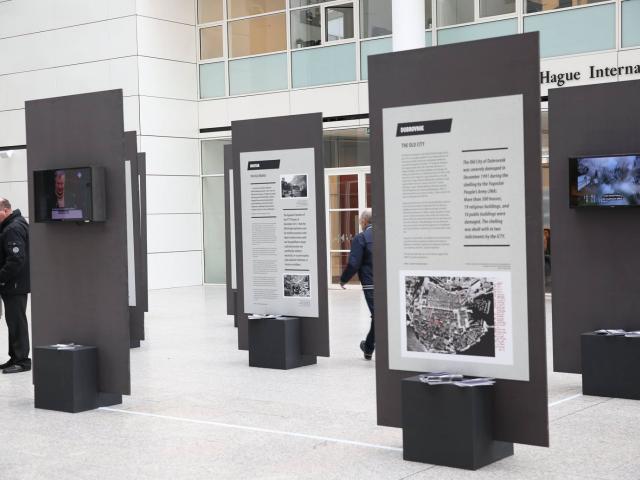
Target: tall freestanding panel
<point>79,271</point>
<point>455,163</point>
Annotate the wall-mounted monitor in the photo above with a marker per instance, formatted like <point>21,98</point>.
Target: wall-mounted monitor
<point>69,195</point>
<point>604,181</point>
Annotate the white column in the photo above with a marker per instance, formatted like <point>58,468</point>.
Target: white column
<point>408,24</point>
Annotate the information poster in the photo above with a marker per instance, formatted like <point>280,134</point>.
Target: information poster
<point>455,237</point>
<point>280,258</point>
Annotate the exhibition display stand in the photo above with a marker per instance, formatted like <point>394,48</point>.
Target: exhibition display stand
<point>66,379</point>
<point>450,425</point>
<point>610,366</point>
<point>274,196</point>
<point>275,342</point>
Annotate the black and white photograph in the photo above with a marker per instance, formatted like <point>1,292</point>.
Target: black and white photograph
<point>450,315</point>
<point>293,186</point>
<point>296,285</point>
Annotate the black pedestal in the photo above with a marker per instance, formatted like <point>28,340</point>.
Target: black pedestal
<point>274,342</point>
<point>610,366</point>
<point>449,425</point>
<point>65,380</point>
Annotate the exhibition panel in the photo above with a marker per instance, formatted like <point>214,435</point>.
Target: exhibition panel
<point>230,234</point>
<point>134,240</point>
<point>280,231</point>
<point>79,270</point>
<point>456,172</point>
<point>594,147</point>
<point>143,283</point>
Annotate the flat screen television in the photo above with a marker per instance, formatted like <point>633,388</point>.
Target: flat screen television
<point>604,181</point>
<point>69,195</point>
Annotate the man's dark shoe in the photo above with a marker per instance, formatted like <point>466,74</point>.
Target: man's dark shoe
<point>17,369</point>
<point>367,353</point>
<point>6,364</point>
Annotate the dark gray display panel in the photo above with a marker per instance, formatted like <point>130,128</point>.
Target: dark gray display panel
<point>136,311</point>
<point>230,233</point>
<point>286,133</point>
<point>144,265</point>
<point>595,259</point>
<point>79,272</point>
<point>500,67</point>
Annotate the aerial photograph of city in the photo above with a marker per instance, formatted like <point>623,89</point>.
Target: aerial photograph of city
<point>450,315</point>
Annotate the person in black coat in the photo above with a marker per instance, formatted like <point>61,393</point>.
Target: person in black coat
<point>361,262</point>
<point>15,285</point>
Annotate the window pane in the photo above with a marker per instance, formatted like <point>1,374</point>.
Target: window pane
<point>305,28</point>
<point>304,3</point>
<point>490,8</point>
<point>453,12</point>
<point>253,36</point>
<point>213,156</point>
<point>339,262</point>
<point>258,74</point>
<point>321,66</point>
<point>631,23</point>
<point>343,226</point>
<point>372,47</point>
<point>542,5</point>
<point>244,8</point>
<point>575,31</point>
<point>346,148</point>
<point>343,191</point>
<point>375,18</point>
<point>213,225</point>
<point>339,22</point>
<point>211,43</point>
<point>477,31</point>
<point>209,11</point>
<point>212,80</point>
<point>428,15</point>
<point>369,191</point>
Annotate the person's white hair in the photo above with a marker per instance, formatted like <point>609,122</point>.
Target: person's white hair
<point>366,216</point>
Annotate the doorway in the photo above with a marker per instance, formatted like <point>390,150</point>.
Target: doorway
<point>347,195</point>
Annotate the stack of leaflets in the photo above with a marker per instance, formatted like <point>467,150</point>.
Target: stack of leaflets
<point>617,332</point>
<point>437,378</point>
<point>66,346</point>
<point>475,382</point>
<point>442,378</point>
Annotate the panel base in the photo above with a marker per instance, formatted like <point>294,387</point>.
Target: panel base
<point>610,366</point>
<point>449,425</point>
<point>274,342</point>
<point>65,380</point>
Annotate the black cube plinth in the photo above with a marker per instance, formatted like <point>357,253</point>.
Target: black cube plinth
<point>274,342</point>
<point>610,366</point>
<point>449,425</point>
<point>66,380</point>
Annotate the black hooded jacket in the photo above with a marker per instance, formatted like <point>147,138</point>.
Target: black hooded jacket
<point>14,255</point>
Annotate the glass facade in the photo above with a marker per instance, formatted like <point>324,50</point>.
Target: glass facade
<point>307,34</point>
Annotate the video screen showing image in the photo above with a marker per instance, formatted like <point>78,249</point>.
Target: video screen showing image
<point>293,186</point>
<point>450,315</point>
<point>297,285</point>
<point>62,195</point>
<point>605,181</point>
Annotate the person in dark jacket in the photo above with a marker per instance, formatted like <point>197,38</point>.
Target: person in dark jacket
<point>15,285</point>
<point>361,262</point>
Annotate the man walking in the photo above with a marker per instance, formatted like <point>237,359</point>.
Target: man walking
<point>361,261</point>
<point>15,285</point>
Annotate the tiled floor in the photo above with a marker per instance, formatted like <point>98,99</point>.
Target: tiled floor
<point>197,411</point>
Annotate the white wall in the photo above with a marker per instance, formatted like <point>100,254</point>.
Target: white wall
<point>147,48</point>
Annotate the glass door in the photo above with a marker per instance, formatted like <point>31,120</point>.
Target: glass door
<point>348,193</point>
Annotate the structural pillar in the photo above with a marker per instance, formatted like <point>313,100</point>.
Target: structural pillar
<point>408,24</point>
